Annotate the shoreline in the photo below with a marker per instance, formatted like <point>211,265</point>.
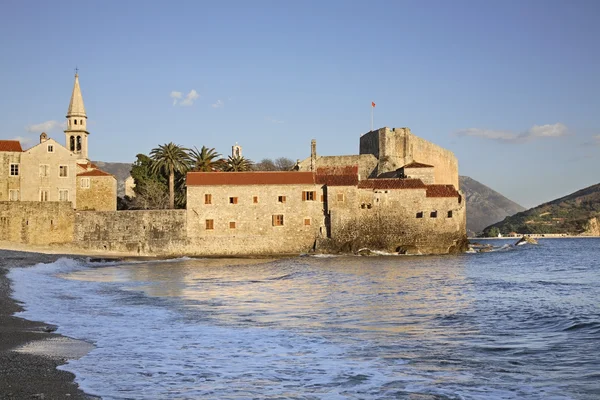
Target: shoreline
<point>26,374</point>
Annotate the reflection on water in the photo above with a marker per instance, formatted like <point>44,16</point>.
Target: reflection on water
<point>520,323</point>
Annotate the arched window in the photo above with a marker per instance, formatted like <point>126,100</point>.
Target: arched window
<point>78,143</point>
<point>72,143</point>
<point>75,121</point>
<point>80,122</point>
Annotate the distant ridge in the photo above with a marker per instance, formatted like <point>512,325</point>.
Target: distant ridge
<point>575,214</point>
<point>485,206</point>
<point>120,170</point>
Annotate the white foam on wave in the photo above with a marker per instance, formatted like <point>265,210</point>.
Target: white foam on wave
<point>148,348</point>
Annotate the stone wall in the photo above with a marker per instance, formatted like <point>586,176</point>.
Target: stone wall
<point>426,175</point>
<point>99,195</point>
<point>388,220</point>
<point>37,223</point>
<point>245,225</point>
<point>444,161</point>
<point>143,232</point>
<point>8,182</point>
<point>367,163</point>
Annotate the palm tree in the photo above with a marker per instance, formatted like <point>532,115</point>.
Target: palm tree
<point>204,160</point>
<point>170,158</point>
<point>238,163</point>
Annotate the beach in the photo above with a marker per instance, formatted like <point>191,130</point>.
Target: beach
<point>32,374</point>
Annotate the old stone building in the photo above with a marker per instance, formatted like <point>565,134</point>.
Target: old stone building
<point>49,171</point>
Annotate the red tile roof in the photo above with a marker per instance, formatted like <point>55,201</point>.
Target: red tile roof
<point>250,178</point>
<point>391,184</point>
<point>415,164</point>
<point>442,191</point>
<point>10,145</point>
<point>94,172</point>
<point>337,176</point>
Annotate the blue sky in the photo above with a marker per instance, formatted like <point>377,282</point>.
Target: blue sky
<point>512,87</point>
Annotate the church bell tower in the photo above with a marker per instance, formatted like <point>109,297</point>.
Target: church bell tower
<point>76,133</point>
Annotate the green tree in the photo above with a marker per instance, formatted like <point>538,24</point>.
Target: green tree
<point>238,163</point>
<point>493,232</point>
<point>204,160</point>
<point>170,159</point>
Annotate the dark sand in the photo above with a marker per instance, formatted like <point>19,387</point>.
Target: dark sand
<point>22,375</point>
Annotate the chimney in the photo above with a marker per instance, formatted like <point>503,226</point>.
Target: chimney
<point>43,137</point>
<point>313,155</point>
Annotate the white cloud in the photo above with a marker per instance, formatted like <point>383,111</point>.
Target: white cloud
<point>188,100</point>
<point>25,141</point>
<point>274,120</point>
<point>46,126</point>
<point>176,96</point>
<point>536,131</point>
<point>218,104</point>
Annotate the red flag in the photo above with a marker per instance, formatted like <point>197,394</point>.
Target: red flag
<point>372,104</point>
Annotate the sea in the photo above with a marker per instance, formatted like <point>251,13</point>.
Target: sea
<point>518,322</point>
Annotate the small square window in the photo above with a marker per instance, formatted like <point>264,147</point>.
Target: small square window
<point>208,199</point>
<point>13,194</point>
<point>278,220</point>
<point>340,197</point>
<point>63,171</point>
<point>309,196</point>
<point>255,199</point>
<point>306,221</point>
<point>232,225</point>
<point>233,200</point>
<point>85,183</point>
<point>281,199</point>
<point>450,214</point>
<point>210,224</point>
<point>420,214</point>
<point>433,214</point>
<point>50,148</point>
<point>14,169</point>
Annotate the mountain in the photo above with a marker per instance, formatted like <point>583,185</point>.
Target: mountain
<point>484,205</point>
<point>574,214</point>
<point>119,170</point>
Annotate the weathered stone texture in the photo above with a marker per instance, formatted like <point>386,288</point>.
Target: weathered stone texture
<point>38,223</point>
<point>99,195</point>
<point>254,231</point>
<point>8,182</point>
<point>144,232</point>
<point>367,163</point>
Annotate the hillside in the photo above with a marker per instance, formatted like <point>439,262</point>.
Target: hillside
<point>484,205</point>
<point>577,213</point>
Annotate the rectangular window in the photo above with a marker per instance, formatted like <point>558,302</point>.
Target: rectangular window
<point>85,183</point>
<point>433,214</point>
<point>44,169</point>
<point>255,199</point>
<point>63,171</point>
<point>43,195</point>
<point>13,194</point>
<point>450,214</point>
<point>278,220</point>
<point>232,225</point>
<point>281,199</point>
<point>233,200</point>
<point>306,221</point>
<point>340,196</point>
<point>14,169</point>
<point>210,224</point>
<point>309,196</point>
<point>63,195</point>
<point>420,214</point>
<point>208,199</point>
<point>50,148</point>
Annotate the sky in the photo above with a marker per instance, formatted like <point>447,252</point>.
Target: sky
<point>511,87</point>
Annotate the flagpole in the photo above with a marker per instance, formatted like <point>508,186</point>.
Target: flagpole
<point>372,117</point>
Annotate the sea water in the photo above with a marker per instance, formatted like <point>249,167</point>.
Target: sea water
<point>517,323</point>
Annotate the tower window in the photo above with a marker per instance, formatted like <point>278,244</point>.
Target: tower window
<point>80,122</point>
<point>72,143</point>
<point>75,121</point>
<point>78,143</point>
<point>420,214</point>
<point>433,214</point>
<point>450,214</point>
